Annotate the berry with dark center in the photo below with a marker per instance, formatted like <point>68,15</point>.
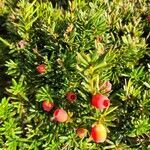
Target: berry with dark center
<point>71,97</point>
<point>100,101</point>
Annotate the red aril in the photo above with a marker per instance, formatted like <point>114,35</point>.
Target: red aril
<point>100,101</point>
<point>41,68</point>
<point>47,106</point>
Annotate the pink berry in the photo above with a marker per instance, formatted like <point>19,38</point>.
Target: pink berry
<point>106,87</point>
<point>22,44</point>
<point>60,115</point>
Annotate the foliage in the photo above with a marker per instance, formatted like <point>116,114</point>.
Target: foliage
<point>83,44</point>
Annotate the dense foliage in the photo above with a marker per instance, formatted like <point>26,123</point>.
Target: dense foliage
<point>85,60</point>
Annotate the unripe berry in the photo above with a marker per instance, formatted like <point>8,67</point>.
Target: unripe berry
<point>98,133</point>
<point>47,106</point>
<point>41,68</point>
<point>60,115</point>
<point>71,97</point>
<point>100,101</point>
<point>106,87</point>
<point>81,132</point>
<point>99,39</point>
<point>22,44</point>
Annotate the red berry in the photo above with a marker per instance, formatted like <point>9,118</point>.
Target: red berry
<point>100,101</point>
<point>60,115</point>
<point>106,87</point>
<point>71,97</point>
<point>41,68</point>
<point>81,132</point>
<point>148,17</point>
<point>47,106</point>
<point>98,133</point>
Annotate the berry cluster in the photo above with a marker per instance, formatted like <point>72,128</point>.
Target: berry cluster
<point>99,101</point>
